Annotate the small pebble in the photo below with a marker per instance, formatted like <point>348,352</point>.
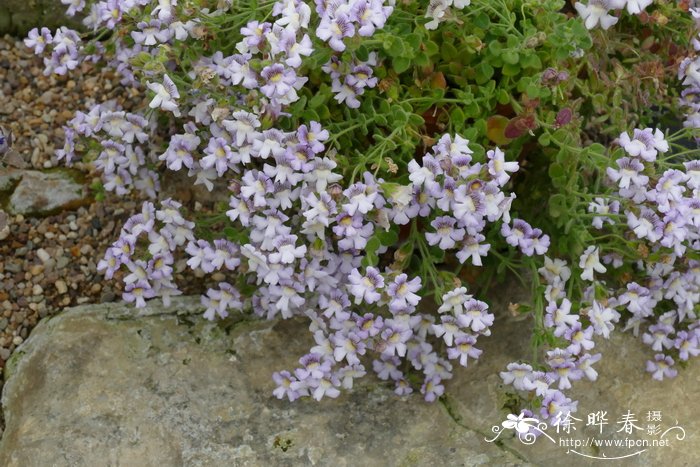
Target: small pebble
<point>43,255</point>
<point>61,287</point>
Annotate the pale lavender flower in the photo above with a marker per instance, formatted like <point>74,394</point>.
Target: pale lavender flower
<point>559,317</point>
<point>151,33</point>
<point>38,40</point>
<point>581,339</point>
<point>345,92</point>
<point>661,367</point>
<point>463,349</point>
<point>629,172</point>
<point>366,287</point>
<point>349,373</point>
<point>166,95</point>
<point>498,167</point>
<point>334,29</point>
<point>446,234</point>
<point>645,144</point>
<point>473,249</point>
<point>394,340</point>
<point>279,81</point>
<point>286,250</point>
<point>518,375</point>
<point>348,347</point>
<point>555,403</point>
<point>138,292</point>
<point>687,344</point>
<point>584,364</point>
<point>602,318</point>
<point>563,367</point>
<point>403,292</point>
<point>596,12</point>
<point>475,316</point>
<point>256,186</point>
<point>603,206</point>
<point>387,367</point>
<point>647,225</point>
<point>218,156</point>
<point>454,301</point>
<point>590,262</point>
<point>638,299</point>
<point>432,389</point>
<point>448,329</point>
<point>657,337</point>
<point>284,381</point>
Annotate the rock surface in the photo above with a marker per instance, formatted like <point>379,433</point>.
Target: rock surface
<point>19,16</point>
<point>40,193</point>
<point>97,385</point>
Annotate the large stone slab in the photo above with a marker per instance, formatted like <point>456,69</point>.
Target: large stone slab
<point>35,192</point>
<point>97,385</point>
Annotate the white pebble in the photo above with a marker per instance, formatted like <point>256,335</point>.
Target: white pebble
<point>37,290</point>
<point>17,340</point>
<point>43,255</point>
<point>61,287</point>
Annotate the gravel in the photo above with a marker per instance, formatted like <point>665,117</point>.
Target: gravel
<point>49,263</point>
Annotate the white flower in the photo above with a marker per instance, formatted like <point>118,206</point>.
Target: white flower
<point>634,7</point>
<point>596,12</point>
<point>166,94</point>
<point>554,269</point>
<point>498,166</point>
<point>590,262</point>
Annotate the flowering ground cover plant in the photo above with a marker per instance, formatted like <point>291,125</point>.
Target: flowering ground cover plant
<point>387,162</point>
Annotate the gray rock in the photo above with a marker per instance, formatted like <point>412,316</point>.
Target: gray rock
<point>17,17</point>
<point>98,386</point>
<point>8,178</point>
<point>40,193</point>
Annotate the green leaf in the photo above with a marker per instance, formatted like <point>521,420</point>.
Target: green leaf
<point>531,60</point>
<point>373,245</point>
<point>431,48</point>
<point>511,57</point>
<point>413,40</point>
<point>400,64</point>
<point>510,69</point>
<point>362,53</point>
<point>415,119</point>
<point>557,205</point>
<point>482,20</point>
<point>449,52</point>
<point>388,238</point>
<point>369,260</point>
<point>495,48</point>
<point>484,72</point>
<point>438,254</point>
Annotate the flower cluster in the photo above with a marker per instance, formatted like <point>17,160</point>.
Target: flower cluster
<point>658,219</point>
<point>65,47</point>
<point>689,74</point>
<point>121,157</point>
<point>342,19</point>
<point>365,188</point>
<point>164,230</point>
